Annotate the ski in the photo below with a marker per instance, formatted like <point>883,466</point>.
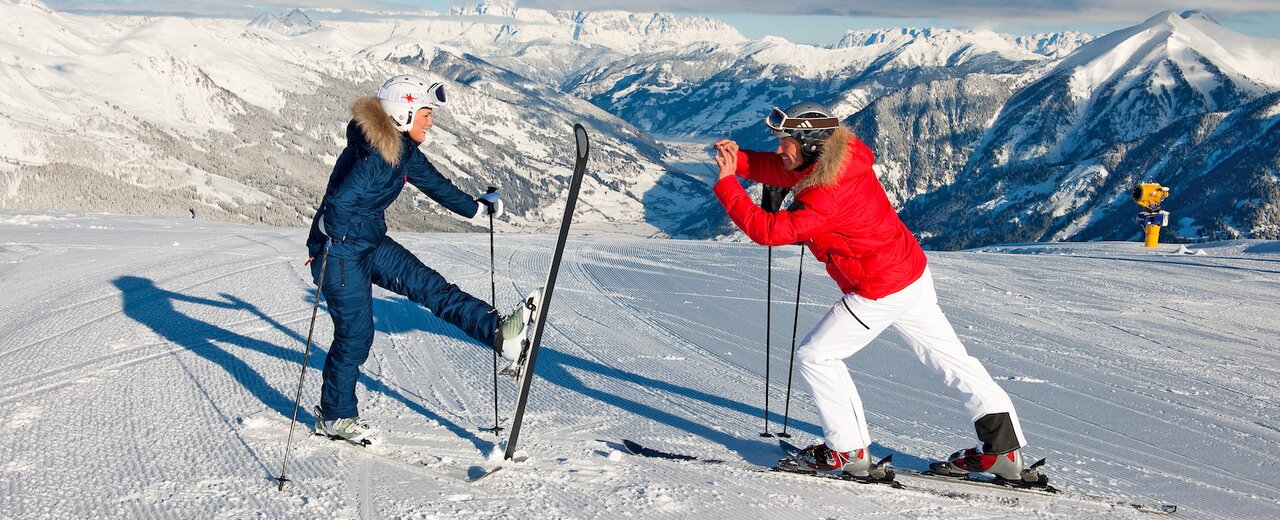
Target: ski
<point>1043,490</point>
<point>531,354</point>
<point>635,448</point>
<point>915,481</point>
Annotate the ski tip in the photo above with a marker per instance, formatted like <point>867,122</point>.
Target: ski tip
<point>632,446</point>
<point>788,447</point>
<point>477,473</point>
<point>580,134</point>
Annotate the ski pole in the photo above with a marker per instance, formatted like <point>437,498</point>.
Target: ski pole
<point>795,323</point>
<point>493,297</point>
<point>768,335</point>
<point>306,357</point>
<point>771,198</point>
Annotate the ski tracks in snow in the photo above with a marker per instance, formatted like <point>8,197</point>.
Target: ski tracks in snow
<point>150,379</point>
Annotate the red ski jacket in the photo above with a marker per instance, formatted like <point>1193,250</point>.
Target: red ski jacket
<point>840,212</point>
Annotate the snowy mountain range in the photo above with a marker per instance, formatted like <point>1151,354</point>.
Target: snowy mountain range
<point>240,122</point>
<point>980,137</point>
<point>1177,99</point>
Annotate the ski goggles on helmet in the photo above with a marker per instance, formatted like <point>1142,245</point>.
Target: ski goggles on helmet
<point>436,92</point>
<point>434,96</point>
<point>782,124</point>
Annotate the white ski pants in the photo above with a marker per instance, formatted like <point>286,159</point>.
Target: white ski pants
<point>853,322</point>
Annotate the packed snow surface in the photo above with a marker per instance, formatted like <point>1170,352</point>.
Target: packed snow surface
<point>150,366</point>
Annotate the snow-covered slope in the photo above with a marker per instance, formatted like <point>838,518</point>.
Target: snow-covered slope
<point>150,366</point>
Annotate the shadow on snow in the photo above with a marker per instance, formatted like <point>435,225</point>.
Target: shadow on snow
<point>153,306</point>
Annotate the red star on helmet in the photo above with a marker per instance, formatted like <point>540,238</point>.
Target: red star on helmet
<point>409,98</point>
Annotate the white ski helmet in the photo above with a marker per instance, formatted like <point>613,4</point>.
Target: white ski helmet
<point>402,96</point>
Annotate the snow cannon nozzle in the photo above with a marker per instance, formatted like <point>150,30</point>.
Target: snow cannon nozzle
<point>1149,195</point>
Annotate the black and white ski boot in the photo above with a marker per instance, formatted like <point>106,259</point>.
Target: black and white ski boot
<point>515,333</point>
<point>351,429</point>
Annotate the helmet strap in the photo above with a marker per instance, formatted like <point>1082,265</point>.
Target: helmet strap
<point>808,161</point>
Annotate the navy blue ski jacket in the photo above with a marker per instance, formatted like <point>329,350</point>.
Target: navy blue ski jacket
<point>367,178</point>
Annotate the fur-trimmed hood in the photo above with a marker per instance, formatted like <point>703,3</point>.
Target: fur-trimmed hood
<point>830,165</point>
<point>377,129</point>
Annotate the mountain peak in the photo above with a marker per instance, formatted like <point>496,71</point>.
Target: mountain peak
<point>1174,20</point>
<point>1198,15</point>
<point>289,22</point>
<point>500,8</point>
<point>1188,41</point>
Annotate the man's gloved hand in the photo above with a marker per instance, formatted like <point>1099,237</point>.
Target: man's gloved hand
<point>490,204</point>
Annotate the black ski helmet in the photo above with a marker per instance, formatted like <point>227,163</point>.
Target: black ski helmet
<point>807,122</point>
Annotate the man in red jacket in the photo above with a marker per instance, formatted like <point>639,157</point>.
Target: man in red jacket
<point>842,214</point>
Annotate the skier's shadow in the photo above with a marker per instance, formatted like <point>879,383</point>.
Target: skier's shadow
<point>555,367</point>
<point>154,307</point>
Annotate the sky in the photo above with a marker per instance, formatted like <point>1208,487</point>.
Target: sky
<point>816,22</point>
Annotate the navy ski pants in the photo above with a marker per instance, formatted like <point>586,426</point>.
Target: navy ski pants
<point>348,292</point>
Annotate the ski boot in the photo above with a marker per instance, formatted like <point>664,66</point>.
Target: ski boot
<point>1007,467</point>
<point>351,429</point>
<point>516,330</point>
<point>852,465</point>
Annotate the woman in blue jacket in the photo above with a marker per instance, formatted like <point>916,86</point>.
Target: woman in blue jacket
<point>382,155</point>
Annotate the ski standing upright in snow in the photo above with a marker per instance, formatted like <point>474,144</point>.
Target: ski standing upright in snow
<point>529,355</point>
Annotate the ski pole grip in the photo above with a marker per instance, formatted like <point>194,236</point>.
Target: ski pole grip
<point>487,204</point>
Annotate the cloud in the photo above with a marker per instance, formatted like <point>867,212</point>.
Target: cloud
<point>973,11</point>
